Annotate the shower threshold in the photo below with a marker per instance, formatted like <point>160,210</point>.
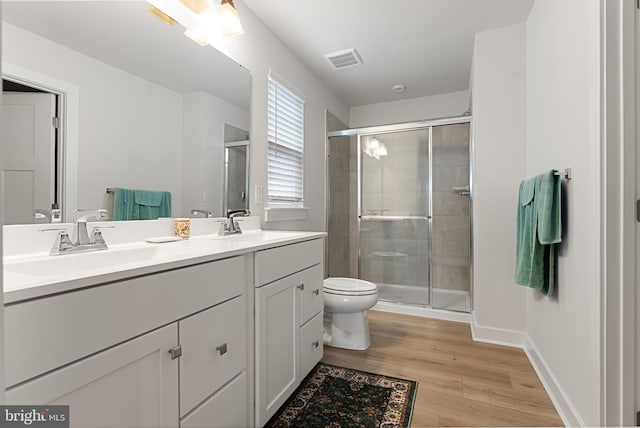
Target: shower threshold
<point>451,300</point>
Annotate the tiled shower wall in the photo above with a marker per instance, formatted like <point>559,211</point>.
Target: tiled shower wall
<point>339,245</point>
<point>339,202</point>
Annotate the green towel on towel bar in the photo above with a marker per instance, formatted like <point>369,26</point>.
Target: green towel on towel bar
<point>539,228</point>
<point>140,204</point>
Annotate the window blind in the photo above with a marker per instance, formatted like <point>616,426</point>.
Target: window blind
<point>286,146</point>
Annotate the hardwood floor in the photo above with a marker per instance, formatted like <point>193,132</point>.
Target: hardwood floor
<point>460,382</point>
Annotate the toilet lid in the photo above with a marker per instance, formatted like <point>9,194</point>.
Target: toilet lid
<point>349,285</point>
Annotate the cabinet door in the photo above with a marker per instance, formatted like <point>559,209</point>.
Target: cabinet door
<point>311,344</point>
<point>134,384</point>
<point>214,350</point>
<point>311,298</point>
<point>277,358</point>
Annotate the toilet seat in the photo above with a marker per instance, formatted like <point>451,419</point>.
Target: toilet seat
<point>349,287</point>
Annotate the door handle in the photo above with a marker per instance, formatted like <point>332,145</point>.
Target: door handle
<point>301,287</point>
<point>638,210</point>
<point>316,292</point>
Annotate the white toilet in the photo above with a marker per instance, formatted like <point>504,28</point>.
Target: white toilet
<point>346,301</point>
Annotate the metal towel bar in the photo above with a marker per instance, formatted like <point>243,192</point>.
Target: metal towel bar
<point>567,173</point>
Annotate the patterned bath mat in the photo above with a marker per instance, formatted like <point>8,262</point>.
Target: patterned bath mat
<point>338,397</point>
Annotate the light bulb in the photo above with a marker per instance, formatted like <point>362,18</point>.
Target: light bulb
<point>228,19</point>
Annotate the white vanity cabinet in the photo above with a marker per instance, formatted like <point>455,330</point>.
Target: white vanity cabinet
<point>163,350</point>
<point>288,319</point>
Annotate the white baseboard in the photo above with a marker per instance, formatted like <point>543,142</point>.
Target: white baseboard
<point>497,336</point>
<point>561,401</point>
<point>518,339</point>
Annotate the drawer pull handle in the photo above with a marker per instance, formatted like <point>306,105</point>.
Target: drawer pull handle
<point>316,344</point>
<point>301,287</point>
<point>222,349</point>
<point>175,352</point>
<point>316,292</point>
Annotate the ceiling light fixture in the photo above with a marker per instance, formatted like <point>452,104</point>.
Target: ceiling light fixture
<point>375,148</point>
<point>228,19</point>
<point>204,23</point>
<point>197,6</point>
<point>161,15</point>
<point>399,88</point>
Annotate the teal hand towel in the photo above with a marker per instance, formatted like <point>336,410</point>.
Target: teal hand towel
<point>549,224</point>
<point>147,197</point>
<point>122,204</point>
<point>538,230</point>
<point>140,204</point>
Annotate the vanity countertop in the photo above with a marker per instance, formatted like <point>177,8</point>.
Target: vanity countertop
<point>39,275</point>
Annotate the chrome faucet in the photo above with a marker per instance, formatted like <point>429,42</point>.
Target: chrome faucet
<point>204,213</point>
<point>80,241</point>
<point>231,226</point>
<point>39,214</point>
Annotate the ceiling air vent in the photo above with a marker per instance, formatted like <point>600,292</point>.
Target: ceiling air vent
<point>344,59</point>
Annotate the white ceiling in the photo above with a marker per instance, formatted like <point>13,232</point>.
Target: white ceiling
<point>124,34</point>
<point>424,44</point>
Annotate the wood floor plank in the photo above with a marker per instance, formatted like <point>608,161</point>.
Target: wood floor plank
<point>460,382</point>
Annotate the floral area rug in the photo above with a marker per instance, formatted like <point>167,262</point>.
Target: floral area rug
<point>338,397</point>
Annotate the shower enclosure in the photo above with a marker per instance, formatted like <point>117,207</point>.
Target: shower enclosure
<point>399,206</point>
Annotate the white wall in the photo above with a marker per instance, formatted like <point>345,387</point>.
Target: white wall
<point>563,126</point>
<point>259,50</point>
<point>204,117</point>
<point>499,138</point>
<point>421,108</point>
<point>130,130</point>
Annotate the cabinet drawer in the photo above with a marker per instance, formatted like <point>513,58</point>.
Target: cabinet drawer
<point>226,409</point>
<point>276,263</point>
<point>214,350</point>
<point>73,325</point>
<point>311,344</point>
<point>311,298</point>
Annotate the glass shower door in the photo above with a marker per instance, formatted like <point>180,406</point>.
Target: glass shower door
<point>393,206</point>
<point>451,225</point>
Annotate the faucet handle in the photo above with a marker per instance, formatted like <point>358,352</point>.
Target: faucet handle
<point>96,237</point>
<point>62,243</point>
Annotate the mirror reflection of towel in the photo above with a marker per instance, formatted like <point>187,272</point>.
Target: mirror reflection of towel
<point>140,204</point>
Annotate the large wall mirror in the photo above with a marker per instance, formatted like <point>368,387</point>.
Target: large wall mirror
<point>102,95</point>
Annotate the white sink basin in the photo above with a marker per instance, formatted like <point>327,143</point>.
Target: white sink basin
<point>112,259</point>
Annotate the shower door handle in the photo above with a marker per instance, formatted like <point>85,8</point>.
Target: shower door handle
<point>461,190</point>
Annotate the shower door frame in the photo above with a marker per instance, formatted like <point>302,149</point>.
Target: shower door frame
<point>400,127</point>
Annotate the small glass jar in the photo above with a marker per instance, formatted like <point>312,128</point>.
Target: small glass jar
<point>182,228</point>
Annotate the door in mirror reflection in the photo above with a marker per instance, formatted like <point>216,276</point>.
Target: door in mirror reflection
<point>236,176</point>
<point>29,136</point>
